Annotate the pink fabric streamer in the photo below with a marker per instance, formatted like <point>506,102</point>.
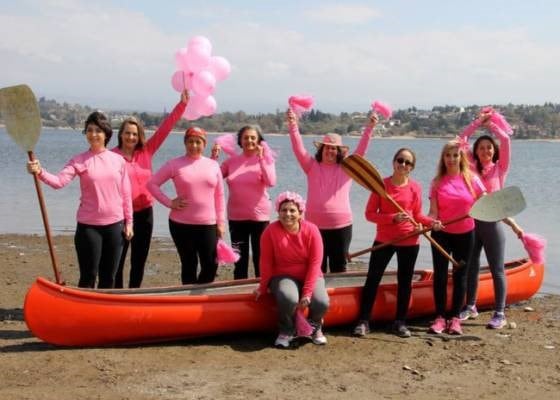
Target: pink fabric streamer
<point>382,108</point>
<point>463,144</point>
<point>228,143</point>
<point>303,327</point>
<point>268,154</point>
<point>225,253</point>
<point>535,246</point>
<point>301,104</point>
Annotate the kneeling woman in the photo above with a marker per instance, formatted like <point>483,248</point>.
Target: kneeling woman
<point>291,256</point>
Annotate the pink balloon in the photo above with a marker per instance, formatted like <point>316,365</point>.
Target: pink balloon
<point>220,67</point>
<point>204,83</point>
<point>205,106</point>
<point>181,80</point>
<point>197,58</point>
<point>190,113</point>
<point>200,41</point>
<point>181,59</point>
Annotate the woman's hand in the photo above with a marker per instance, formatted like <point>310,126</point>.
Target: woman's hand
<point>260,151</point>
<point>216,149</point>
<point>291,117</point>
<point>437,225</point>
<point>304,303</point>
<point>178,203</point>
<point>185,96</point>
<point>401,217</point>
<point>128,232</point>
<point>220,230</point>
<point>484,117</point>
<point>34,167</point>
<point>373,119</point>
<point>257,294</point>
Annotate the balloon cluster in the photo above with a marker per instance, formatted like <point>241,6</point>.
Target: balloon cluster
<point>199,72</point>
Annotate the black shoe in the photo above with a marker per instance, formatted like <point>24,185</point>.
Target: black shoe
<point>400,329</point>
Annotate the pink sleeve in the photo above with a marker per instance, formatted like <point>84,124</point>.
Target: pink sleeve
<point>268,172</point>
<point>63,178</point>
<point>373,211</point>
<point>225,168</point>
<point>363,145</point>
<point>303,157</point>
<point>219,201</point>
<point>466,134</point>
<point>266,259</point>
<point>505,150</point>
<point>417,213</point>
<point>159,178</point>
<point>127,197</point>
<point>154,143</point>
<point>314,263</point>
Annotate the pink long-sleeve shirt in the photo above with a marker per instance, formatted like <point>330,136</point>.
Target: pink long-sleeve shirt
<point>139,166</point>
<point>104,184</point>
<point>298,255</point>
<point>493,175</point>
<point>454,199</point>
<point>382,212</point>
<point>199,182</point>
<point>328,186</point>
<point>248,178</point>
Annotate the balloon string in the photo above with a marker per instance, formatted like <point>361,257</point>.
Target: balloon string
<point>183,75</point>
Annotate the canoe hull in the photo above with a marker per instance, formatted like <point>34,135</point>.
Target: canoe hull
<point>69,316</point>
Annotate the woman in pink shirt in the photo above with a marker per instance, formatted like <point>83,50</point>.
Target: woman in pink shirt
<point>248,176</point>
<point>291,253</point>
<point>138,153</point>
<point>328,190</point>
<point>105,212</point>
<point>491,163</point>
<point>452,194</point>
<point>196,219</point>
<point>393,224</point>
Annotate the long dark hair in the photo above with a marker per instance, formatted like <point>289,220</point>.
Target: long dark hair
<point>496,156</point>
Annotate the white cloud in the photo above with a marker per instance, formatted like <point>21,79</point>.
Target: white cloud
<point>343,14</point>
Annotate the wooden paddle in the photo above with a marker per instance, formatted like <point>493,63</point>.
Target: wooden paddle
<point>493,207</point>
<point>20,111</point>
<point>365,173</point>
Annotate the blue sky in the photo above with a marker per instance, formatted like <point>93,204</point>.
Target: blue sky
<point>120,54</point>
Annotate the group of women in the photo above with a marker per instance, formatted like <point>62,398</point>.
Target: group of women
<point>291,254</point>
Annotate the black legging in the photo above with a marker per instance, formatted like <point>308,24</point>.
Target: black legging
<point>241,232</point>
<point>194,242</point>
<point>99,249</point>
<point>336,243</point>
<point>143,224</point>
<point>460,246</point>
<point>406,259</point>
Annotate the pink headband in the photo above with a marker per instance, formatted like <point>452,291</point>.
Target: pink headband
<point>293,197</point>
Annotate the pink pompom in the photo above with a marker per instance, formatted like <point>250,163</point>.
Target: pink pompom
<point>535,246</point>
<point>228,143</point>
<point>382,108</point>
<point>303,327</point>
<point>225,253</point>
<point>501,122</point>
<point>268,154</point>
<point>301,103</point>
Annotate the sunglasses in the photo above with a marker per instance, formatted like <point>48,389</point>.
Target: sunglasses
<point>401,161</point>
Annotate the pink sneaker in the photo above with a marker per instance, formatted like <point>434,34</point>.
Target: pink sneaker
<point>454,326</point>
<point>438,326</point>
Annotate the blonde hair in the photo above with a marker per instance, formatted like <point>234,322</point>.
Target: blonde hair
<point>464,168</point>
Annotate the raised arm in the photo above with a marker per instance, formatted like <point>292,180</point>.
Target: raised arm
<point>157,139</point>
<point>505,149</point>
<point>363,145</point>
<point>304,158</point>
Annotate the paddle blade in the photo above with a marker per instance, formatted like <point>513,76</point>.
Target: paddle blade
<point>20,111</point>
<point>364,173</point>
<point>499,205</point>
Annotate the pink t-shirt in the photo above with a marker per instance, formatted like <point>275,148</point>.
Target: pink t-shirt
<point>105,188</point>
<point>328,186</point>
<point>493,175</point>
<point>298,255</point>
<point>381,212</point>
<point>454,199</point>
<point>139,167</point>
<point>199,182</point>
<point>248,178</point>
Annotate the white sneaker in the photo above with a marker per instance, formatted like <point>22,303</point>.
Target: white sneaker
<point>318,337</point>
<point>283,341</point>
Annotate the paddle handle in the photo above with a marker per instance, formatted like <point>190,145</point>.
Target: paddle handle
<point>412,234</point>
<point>430,239</point>
<point>57,275</point>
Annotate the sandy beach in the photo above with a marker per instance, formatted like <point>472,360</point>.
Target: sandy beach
<point>518,362</point>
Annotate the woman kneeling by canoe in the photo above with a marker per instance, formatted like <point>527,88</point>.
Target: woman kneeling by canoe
<point>291,256</point>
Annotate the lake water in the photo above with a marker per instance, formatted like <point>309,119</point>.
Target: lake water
<point>534,169</point>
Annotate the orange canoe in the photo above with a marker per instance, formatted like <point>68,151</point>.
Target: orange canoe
<point>70,316</point>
